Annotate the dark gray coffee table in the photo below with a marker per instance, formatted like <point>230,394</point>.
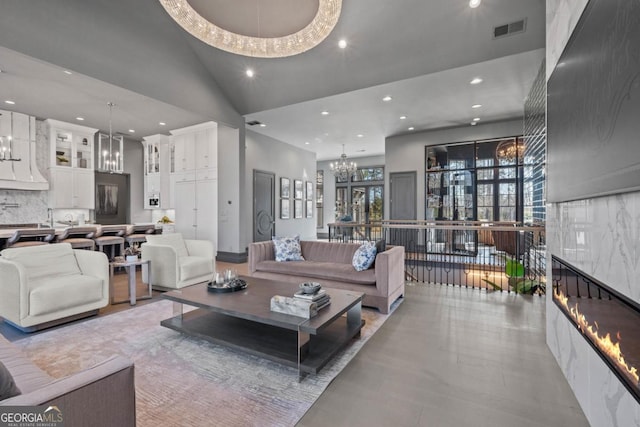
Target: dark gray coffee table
<point>243,320</point>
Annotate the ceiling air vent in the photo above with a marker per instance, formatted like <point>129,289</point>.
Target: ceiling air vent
<point>253,123</point>
<point>509,29</point>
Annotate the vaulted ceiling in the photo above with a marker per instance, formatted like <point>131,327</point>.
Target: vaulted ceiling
<point>422,53</point>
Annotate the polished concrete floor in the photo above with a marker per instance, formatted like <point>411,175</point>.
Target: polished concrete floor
<point>453,356</point>
<point>448,356</point>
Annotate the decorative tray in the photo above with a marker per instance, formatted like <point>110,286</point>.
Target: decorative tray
<point>232,286</point>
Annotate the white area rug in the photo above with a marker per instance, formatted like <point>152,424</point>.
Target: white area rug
<point>186,381</point>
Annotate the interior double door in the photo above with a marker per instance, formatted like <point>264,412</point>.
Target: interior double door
<point>367,203</point>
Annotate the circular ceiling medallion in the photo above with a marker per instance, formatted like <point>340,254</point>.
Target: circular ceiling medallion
<point>250,44</point>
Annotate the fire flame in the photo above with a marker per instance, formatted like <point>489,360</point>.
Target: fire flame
<point>605,344</point>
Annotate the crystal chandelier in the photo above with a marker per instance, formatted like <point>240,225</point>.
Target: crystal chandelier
<point>110,147</point>
<point>259,47</point>
<point>511,150</point>
<point>343,168</point>
<point>6,144</point>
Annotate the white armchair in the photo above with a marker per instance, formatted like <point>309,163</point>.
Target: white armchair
<point>177,262</point>
<point>42,286</point>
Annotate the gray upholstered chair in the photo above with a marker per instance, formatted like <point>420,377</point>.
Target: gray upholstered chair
<point>110,236</point>
<point>137,234</point>
<point>31,237</point>
<point>78,237</point>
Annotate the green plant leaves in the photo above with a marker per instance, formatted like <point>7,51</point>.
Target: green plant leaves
<point>514,268</point>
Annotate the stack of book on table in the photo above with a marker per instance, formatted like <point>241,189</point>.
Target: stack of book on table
<point>320,297</point>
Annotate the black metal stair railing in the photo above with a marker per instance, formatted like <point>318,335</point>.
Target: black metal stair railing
<point>496,256</point>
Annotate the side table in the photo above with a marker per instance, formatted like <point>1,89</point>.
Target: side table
<point>130,267</point>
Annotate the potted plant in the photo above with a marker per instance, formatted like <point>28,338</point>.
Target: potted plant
<point>131,253</point>
<point>514,270</point>
<point>167,224</point>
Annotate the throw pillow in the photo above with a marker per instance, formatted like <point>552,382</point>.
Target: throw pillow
<point>8,387</point>
<point>381,246</point>
<point>364,256</point>
<point>287,249</point>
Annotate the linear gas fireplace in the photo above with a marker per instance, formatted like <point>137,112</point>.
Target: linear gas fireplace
<point>608,320</point>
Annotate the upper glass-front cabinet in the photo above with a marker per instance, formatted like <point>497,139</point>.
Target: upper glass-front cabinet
<point>71,145</point>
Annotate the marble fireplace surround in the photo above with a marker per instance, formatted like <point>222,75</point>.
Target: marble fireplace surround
<point>606,319</point>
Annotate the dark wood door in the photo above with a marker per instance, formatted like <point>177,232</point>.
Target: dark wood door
<point>403,206</point>
<point>264,224</point>
<point>403,201</point>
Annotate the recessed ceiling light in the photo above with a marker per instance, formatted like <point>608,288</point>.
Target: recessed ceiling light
<point>249,72</point>
<point>474,3</point>
<point>361,151</point>
<point>403,117</point>
<point>306,143</point>
<point>132,131</point>
<point>477,119</point>
<point>476,80</point>
<point>360,135</point>
<point>342,44</point>
<point>411,128</point>
<point>474,123</point>
<point>476,106</point>
<point>162,124</point>
<point>8,101</point>
<point>67,72</point>
<point>387,98</point>
<point>325,113</point>
<point>262,125</point>
<point>80,119</point>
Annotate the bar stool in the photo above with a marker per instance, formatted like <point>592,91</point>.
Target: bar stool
<point>78,237</point>
<point>110,235</point>
<point>30,237</point>
<point>137,234</point>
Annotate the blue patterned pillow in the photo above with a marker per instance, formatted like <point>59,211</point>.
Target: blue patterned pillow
<point>287,249</point>
<point>364,256</point>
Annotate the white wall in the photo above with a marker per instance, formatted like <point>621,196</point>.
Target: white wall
<point>134,166</point>
<point>230,170</point>
<point>270,155</point>
<point>329,191</point>
<point>406,153</point>
<point>597,236</point>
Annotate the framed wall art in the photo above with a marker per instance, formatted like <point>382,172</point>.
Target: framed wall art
<point>309,212</point>
<point>285,186</point>
<point>297,208</point>
<point>309,190</point>
<point>284,209</point>
<point>297,189</point>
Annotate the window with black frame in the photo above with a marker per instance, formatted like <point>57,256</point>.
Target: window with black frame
<point>360,198</point>
<point>480,180</point>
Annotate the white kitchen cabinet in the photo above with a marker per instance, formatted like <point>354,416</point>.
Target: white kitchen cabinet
<point>71,145</point>
<point>194,181</point>
<point>156,172</point>
<point>197,210</point>
<point>71,170</point>
<point>72,189</point>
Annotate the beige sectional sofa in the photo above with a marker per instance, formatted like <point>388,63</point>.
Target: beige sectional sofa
<point>330,264</point>
<point>103,395</point>
<point>46,285</point>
